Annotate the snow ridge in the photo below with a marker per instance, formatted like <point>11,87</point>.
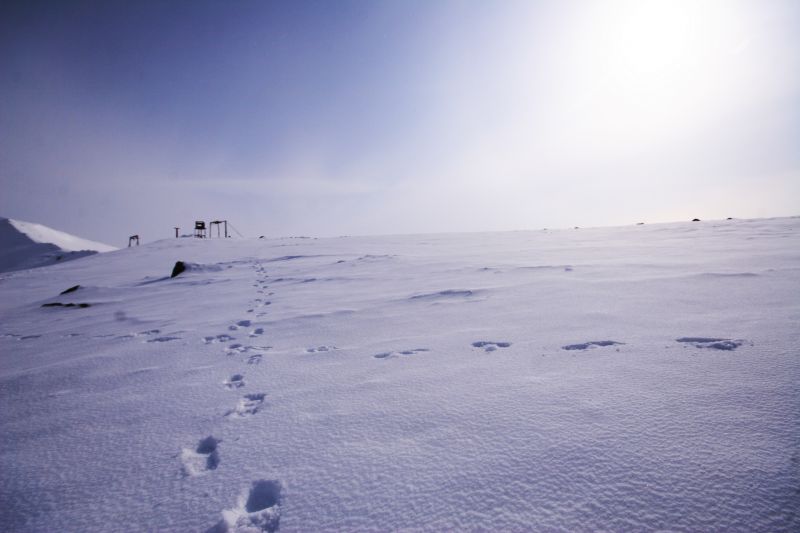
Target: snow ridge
<point>29,245</point>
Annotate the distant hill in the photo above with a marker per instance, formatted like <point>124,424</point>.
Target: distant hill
<point>28,245</point>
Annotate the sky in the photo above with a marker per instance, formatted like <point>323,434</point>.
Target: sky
<point>336,117</point>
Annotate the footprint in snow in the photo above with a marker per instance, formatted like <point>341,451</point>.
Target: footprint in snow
<point>590,344</point>
<point>257,509</point>
<point>240,324</point>
<point>249,405</point>
<point>490,346</point>
<point>202,458</point>
<point>444,295</point>
<point>163,339</point>
<point>254,359</point>
<point>147,333</point>
<point>319,349</point>
<point>712,343</point>
<point>218,338</point>
<point>236,348</point>
<point>387,355</point>
<point>260,347</point>
<point>256,332</point>
<point>236,381</point>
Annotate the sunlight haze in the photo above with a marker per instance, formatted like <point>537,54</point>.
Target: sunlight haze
<point>331,118</point>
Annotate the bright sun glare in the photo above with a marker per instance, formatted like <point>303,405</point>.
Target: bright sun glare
<point>648,68</point>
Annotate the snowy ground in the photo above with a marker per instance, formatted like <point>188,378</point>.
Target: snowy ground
<point>430,382</point>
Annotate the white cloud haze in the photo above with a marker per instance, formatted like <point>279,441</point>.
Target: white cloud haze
<point>401,117</point>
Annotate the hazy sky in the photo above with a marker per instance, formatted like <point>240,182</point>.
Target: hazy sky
<point>339,117</point>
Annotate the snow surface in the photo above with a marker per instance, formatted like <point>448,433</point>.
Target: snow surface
<point>624,379</point>
<point>28,245</point>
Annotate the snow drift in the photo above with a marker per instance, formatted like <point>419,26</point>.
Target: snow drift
<point>28,245</point>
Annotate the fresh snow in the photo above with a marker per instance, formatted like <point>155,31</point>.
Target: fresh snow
<point>620,379</point>
<point>28,245</point>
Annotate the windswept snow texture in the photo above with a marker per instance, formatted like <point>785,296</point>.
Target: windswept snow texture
<point>419,383</point>
<point>28,245</point>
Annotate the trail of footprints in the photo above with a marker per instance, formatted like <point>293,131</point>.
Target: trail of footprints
<point>708,343</point>
<point>259,508</point>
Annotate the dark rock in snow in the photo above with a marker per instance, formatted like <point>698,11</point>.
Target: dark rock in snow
<point>59,304</point>
<point>695,220</point>
<point>71,289</point>
<point>179,267</point>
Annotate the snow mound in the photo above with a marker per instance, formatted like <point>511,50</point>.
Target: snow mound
<point>28,245</point>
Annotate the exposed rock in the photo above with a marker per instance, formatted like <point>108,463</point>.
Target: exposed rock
<point>179,267</point>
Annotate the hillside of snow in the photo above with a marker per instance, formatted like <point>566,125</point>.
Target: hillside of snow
<point>28,245</point>
<point>620,379</point>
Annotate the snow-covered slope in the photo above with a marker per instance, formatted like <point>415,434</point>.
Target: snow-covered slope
<point>28,245</point>
<point>624,379</point>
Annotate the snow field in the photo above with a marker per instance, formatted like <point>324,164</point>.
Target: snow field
<point>637,378</point>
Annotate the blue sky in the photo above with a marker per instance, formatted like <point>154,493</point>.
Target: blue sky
<point>332,117</point>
